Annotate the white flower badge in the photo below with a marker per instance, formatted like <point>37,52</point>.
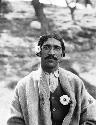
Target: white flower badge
<point>65,100</point>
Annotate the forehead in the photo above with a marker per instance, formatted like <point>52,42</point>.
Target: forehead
<point>53,42</point>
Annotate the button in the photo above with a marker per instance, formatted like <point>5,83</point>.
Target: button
<point>54,109</point>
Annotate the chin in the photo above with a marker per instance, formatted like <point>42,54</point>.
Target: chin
<point>51,65</point>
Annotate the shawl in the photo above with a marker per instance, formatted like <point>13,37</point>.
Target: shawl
<point>31,101</point>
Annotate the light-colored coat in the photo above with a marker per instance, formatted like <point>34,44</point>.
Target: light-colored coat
<point>25,107</point>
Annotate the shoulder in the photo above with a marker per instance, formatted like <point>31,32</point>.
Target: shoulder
<point>73,79</point>
<point>68,74</point>
<point>28,79</point>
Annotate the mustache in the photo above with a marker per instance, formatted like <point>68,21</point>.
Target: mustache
<point>51,57</point>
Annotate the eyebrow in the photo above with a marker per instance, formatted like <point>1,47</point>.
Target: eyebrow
<point>52,45</point>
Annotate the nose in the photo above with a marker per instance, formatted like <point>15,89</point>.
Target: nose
<point>52,52</point>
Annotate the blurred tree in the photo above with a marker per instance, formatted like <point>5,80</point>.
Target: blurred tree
<point>0,6</point>
<point>85,2</point>
<point>88,2</point>
<point>5,7</point>
<point>38,7</point>
<point>72,6</point>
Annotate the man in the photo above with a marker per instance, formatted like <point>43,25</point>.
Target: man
<point>52,95</point>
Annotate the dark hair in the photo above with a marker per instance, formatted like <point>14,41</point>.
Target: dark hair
<point>56,36</point>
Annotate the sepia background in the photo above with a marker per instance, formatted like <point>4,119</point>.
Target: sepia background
<point>21,24</point>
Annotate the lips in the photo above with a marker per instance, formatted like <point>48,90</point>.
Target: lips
<point>51,58</point>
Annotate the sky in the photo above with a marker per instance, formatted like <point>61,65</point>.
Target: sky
<point>54,2</point>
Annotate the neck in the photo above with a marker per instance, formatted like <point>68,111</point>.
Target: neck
<point>49,69</point>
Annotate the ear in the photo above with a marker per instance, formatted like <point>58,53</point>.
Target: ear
<point>38,54</point>
<point>62,55</point>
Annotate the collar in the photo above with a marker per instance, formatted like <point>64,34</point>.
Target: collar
<point>55,73</point>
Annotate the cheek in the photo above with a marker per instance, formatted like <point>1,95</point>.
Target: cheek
<point>44,54</point>
<point>59,55</point>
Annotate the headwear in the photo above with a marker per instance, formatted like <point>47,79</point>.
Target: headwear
<point>56,36</point>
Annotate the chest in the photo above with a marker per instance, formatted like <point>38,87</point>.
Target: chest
<point>58,110</point>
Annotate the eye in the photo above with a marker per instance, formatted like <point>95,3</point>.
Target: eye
<point>57,48</point>
<point>46,47</point>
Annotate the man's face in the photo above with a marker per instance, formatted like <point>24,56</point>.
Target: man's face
<point>51,53</point>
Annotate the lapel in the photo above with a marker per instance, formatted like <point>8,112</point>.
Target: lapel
<point>65,83</point>
<point>32,98</point>
<point>44,94</point>
<point>38,103</point>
